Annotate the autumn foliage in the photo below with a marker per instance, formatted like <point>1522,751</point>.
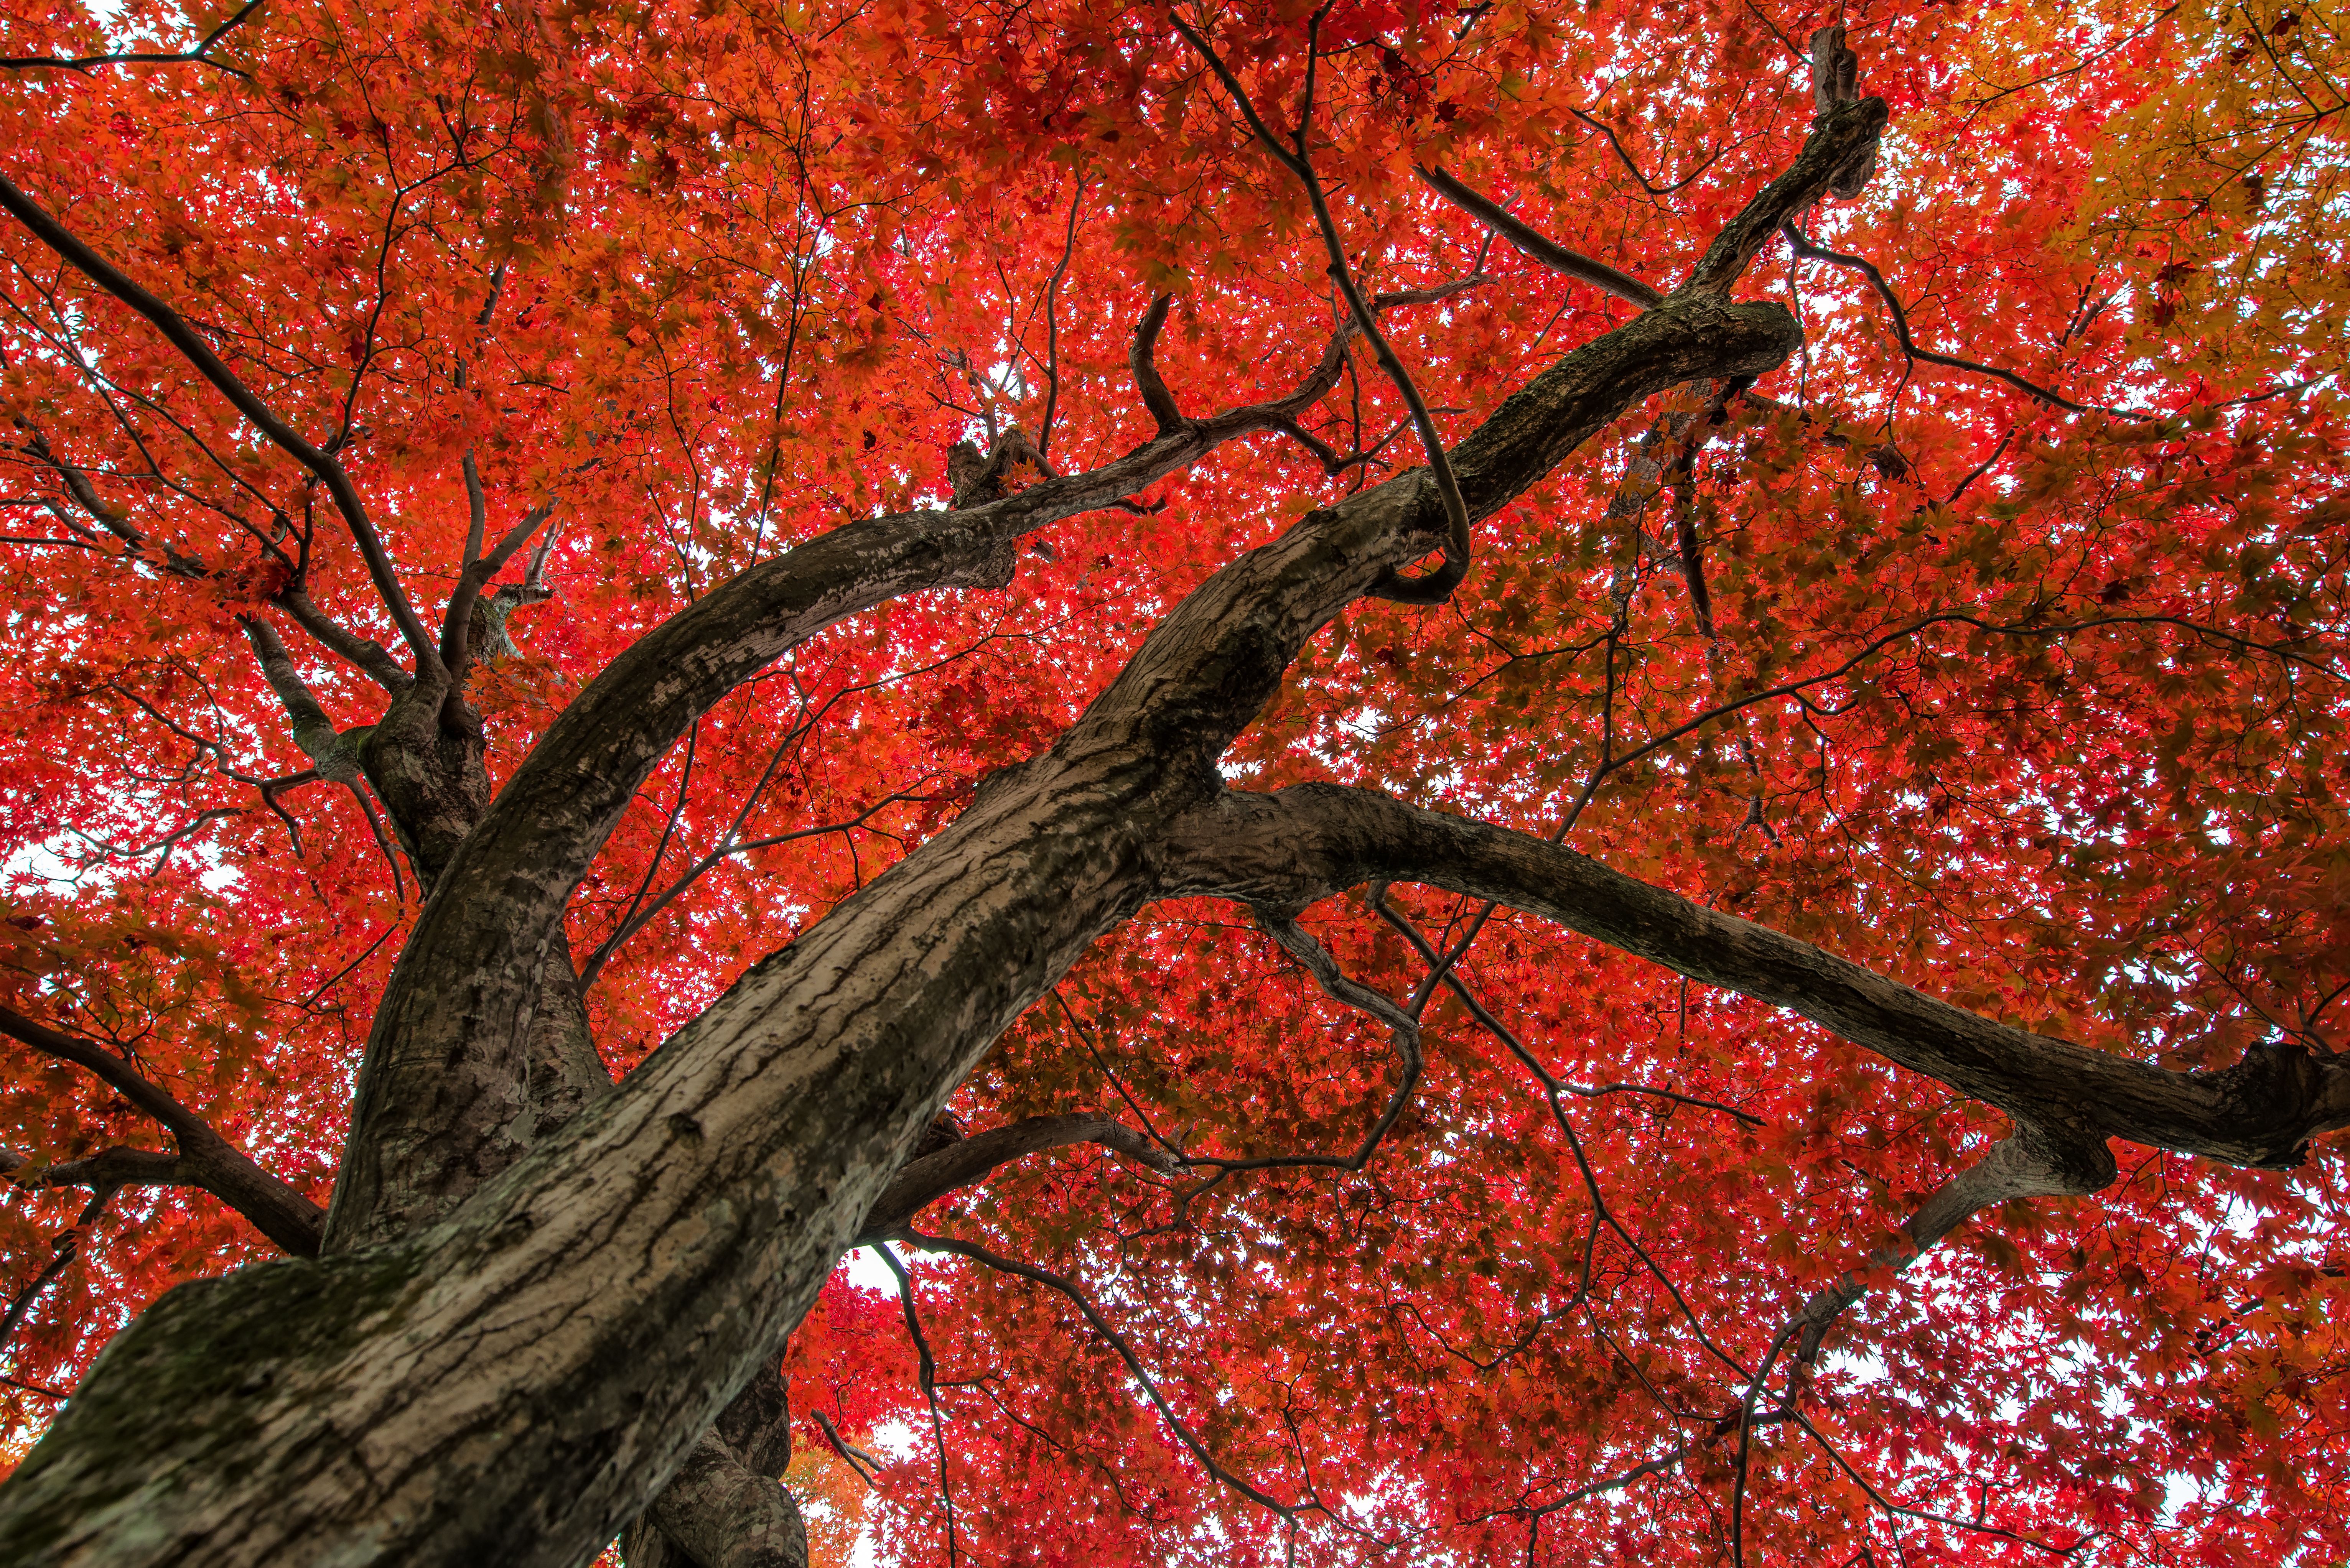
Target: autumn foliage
<point>1995,641</point>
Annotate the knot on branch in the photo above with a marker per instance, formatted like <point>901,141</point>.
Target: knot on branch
<point>979,477</point>
<point>945,1130</point>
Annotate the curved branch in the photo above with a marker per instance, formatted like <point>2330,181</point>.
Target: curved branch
<point>199,353</point>
<point>1437,586</point>
<point>206,1160</point>
<point>1537,244</point>
<point>1306,843</point>
<point>972,1160</point>
<point>430,1118</point>
<point>1810,252</point>
<point>2027,1164</point>
<point>1843,138</point>
<point>1148,384</point>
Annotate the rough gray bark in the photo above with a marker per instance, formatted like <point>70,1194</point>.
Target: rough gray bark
<point>551,1306</point>
<point>429,767</point>
<point>719,1512</point>
<point>440,1091</point>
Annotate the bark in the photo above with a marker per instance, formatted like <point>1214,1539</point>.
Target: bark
<point>565,1074</point>
<point>1289,849</point>
<point>335,754</point>
<point>431,772</point>
<point>723,1508</point>
<point>719,1512</point>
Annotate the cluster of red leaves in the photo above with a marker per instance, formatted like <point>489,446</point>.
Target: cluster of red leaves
<point>2038,709</point>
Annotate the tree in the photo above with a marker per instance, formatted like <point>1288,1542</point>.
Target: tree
<point>1537,830</point>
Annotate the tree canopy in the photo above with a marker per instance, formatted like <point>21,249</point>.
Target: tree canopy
<point>1502,782</point>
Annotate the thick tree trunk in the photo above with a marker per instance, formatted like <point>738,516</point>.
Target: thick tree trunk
<point>439,1090</point>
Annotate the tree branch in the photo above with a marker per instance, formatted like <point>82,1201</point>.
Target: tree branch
<point>84,494</point>
<point>1437,586</point>
<point>364,654</point>
<point>456,626</point>
<point>1046,1277</point>
<point>1153,390</point>
<point>444,1051</point>
<point>1537,245</point>
<point>200,55</point>
<point>972,1160</point>
<point>1316,959</point>
<point>1810,252</point>
<point>190,344</point>
<point>68,1247</point>
<point>206,1160</point>
<point>109,1168</point>
<point>2027,1164</point>
<point>928,1378</point>
<point>335,754</point>
<point>724,1514</point>
<point>1306,843</point>
<point>1843,138</point>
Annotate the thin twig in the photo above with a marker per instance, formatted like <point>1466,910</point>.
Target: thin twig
<point>198,55</point>
<point>930,1380</point>
<point>1810,252</point>
<point>1046,1277</point>
<point>1439,584</point>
